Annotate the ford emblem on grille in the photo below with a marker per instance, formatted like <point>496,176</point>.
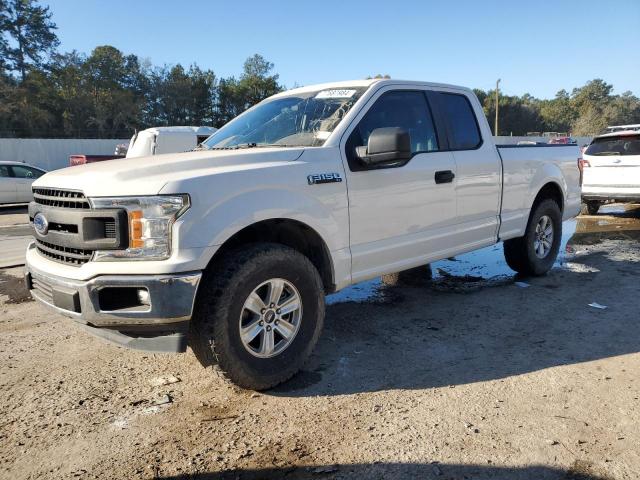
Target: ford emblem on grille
<point>41,224</point>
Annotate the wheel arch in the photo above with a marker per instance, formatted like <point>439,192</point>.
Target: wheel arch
<point>291,233</point>
<point>550,190</point>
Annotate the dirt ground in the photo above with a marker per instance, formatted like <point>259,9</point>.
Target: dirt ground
<point>471,377</point>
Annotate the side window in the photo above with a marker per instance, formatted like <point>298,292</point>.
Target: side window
<point>461,121</point>
<point>25,172</point>
<point>405,109</point>
<point>4,171</point>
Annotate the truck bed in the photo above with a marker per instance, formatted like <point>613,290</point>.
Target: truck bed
<point>523,176</point>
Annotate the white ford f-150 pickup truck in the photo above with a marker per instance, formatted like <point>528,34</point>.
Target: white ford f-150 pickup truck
<point>232,248</point>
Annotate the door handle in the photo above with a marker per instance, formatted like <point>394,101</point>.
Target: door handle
<point>444,176</point>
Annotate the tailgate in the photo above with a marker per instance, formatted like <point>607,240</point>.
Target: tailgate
<point>613,162</point>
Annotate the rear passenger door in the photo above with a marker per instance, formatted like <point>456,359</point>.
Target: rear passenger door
<point>479,168</point>
<point>399,215</point>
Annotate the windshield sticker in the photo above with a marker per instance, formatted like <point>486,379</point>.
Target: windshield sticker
<point>321,135</point>
<point>335,94</point>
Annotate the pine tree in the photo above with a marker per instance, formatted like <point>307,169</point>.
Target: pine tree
<point>31,31</point>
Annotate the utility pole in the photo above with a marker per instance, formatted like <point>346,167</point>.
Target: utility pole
<point>495,131</point>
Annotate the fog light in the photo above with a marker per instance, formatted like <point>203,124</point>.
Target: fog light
<point>143,296</point>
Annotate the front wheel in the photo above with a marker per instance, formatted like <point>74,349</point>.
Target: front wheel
<point>535,252</point>
<point>258,315</point>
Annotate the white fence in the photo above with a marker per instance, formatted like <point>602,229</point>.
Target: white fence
<point>53,153</point>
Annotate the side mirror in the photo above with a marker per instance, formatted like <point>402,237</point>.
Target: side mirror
<point>386,146</point>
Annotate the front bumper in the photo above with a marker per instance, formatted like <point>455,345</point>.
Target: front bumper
<point>102,305</point>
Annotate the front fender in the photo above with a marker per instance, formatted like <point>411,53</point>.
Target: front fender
<point>225,218</point>
<point>223,204</point>
<point>225,201</point>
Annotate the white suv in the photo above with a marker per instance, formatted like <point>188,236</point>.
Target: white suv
<point>611,169</point>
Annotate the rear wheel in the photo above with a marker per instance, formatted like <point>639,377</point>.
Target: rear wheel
<point>258,315</point>
<point>537,250</point>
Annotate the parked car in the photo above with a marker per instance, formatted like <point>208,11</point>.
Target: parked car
<point>611,169</point>
<point>154,141</point>
<point>15,182</point>
<point>232,248</point>
<point>563,141</point>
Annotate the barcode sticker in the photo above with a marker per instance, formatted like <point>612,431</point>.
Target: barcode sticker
<point>335,94</point>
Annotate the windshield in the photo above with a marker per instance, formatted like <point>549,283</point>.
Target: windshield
<point>623,145</point>
<point>299,120</point>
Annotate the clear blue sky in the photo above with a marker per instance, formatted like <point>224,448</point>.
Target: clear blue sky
<point>536,47</point>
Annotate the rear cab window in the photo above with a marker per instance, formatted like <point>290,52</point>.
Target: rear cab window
<point>619,146</point>
<point>460,120</point>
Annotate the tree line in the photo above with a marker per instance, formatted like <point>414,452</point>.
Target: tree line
<point>109,94</point>
<point>585,111</point>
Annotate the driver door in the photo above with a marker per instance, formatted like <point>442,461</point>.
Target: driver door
<point>400,216</point>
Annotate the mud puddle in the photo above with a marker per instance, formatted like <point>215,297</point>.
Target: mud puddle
<point>371,291</point>
<point>487,268</point>
<point>613,222</point>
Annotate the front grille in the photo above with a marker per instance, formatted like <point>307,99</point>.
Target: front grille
<point>72,256</point>
<point>54,197</point>
<point>109,229</point>
<point>73,229</point>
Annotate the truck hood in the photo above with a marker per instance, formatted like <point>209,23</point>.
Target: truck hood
<point>147,175</point>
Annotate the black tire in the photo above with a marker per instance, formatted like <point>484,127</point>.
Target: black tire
<point>520,253</point>
<point>215,328</point>
<point>591,207</point>
<point>414,277</point>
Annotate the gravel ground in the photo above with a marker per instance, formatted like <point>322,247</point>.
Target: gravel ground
<point>470,377</point>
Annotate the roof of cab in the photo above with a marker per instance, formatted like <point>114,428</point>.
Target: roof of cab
<point>365,83</point>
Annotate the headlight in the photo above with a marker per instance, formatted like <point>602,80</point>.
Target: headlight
<point>150,220</point>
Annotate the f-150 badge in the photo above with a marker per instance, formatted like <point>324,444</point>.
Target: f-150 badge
<point>318,178</point>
